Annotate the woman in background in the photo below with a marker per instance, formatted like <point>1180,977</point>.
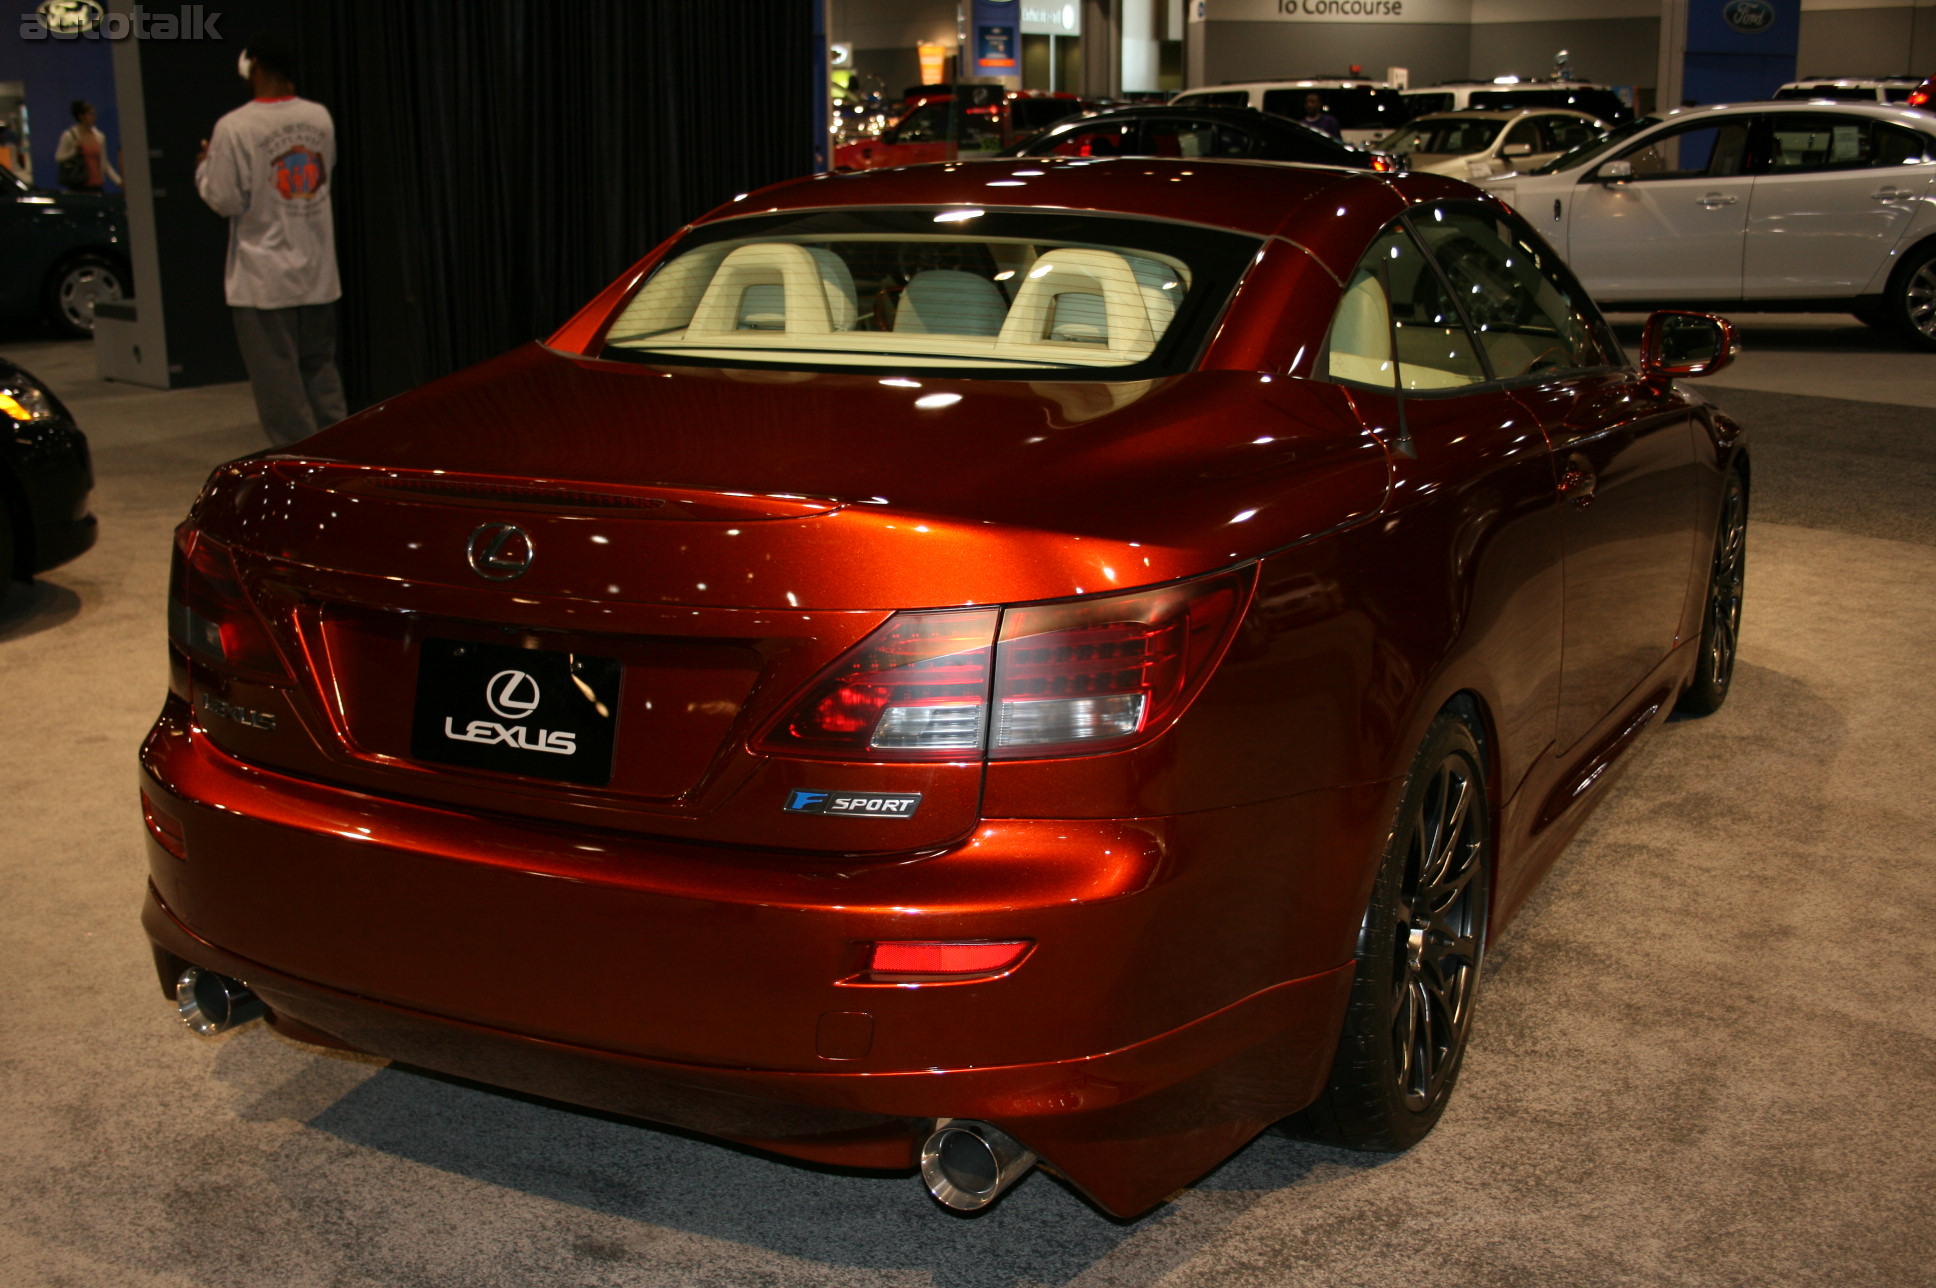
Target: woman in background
<point>81,160</point>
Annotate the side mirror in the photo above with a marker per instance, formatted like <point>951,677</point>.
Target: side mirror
<point>1516,150</point>
<point>1678,343</point>
<point>1615,172</point>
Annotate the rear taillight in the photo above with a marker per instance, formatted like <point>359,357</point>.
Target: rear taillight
<point>916,689</point>
<point>1069,678</point>
<point>210,618</point>
<point>1383,164</point>
<point>1918,98</point>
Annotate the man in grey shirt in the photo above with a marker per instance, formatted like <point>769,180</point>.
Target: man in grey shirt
<point>268,169</point>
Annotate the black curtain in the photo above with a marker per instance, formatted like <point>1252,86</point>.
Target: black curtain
<point>502,162</point>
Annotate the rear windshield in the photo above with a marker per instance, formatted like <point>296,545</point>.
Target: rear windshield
<point>961,292</point>
<point>1455,136</point>
<point>1220,98</point>
<point>1356,109</point>
<point>1603,103</point>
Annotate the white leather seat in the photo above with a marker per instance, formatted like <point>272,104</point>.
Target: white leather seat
<point>951,302</point>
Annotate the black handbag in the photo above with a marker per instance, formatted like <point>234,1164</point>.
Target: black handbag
<point>73,171</point>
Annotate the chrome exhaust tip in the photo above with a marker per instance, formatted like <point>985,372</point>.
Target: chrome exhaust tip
<point>209,1003</point>
<point>967,1165</point>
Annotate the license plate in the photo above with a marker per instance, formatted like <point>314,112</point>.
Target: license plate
<point>535,712</point>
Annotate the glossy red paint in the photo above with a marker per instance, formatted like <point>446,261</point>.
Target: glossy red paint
<point>675,944</point>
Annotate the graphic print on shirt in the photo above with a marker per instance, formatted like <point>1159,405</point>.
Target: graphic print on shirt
<point>300,174</point>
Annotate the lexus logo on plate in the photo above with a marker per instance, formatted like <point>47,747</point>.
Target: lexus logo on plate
<point>499,551</point>
<point>512,694</point>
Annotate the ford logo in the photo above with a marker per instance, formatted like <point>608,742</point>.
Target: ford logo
<point>1750,16</point>
<point>69,17</point>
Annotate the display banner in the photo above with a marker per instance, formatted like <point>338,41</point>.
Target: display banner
<point>1051,18</point>
<point>995,26</point>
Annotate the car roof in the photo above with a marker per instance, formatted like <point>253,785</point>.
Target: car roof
<point>1852,82</point>
<point>1253,197</point>
<point>1234,115</point>
<point>1914,118</point>
<point>1506,86</point>
<point>1319,82</point>
<point>1500,114</point>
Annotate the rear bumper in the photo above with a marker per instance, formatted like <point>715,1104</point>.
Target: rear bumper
<point>1166,1015</point>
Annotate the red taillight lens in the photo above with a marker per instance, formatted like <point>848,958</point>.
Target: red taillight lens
<point>1918,98</point>
<point>1071,678</point>
<point>1383,164</point>
<point>916,689</point>
<point>210,618</point>
<point>1094,674</point>
<point>937,957</point>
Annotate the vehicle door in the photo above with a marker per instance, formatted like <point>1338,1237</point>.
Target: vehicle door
<point>1525,145</point>
<point>1473,481</point>
<point>1562,133</point>
<point>925,134</point>
<point>1832,197</point>
<point>1663,217</point>
<point>1625,451</point>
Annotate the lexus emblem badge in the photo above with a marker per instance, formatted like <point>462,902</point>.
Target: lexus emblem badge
<point>499,552</point>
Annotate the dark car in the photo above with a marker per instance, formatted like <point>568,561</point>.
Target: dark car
<point>1207,132</point>
<point>65,253</point>
<point>45,479</point>
<point>973,121</point>
<point>1050,658</point>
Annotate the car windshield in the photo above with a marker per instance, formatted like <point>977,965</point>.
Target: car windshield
<point>1452,135</point>
<point>958,291</point>
<point>1599,147</point>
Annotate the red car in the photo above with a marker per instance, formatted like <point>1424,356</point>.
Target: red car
<point>975,121</point>
<point>1047,658</point>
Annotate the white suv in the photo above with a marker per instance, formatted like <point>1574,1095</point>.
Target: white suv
<point>1602,101</point>
<point>1796,206</point>
<point>1366,110</point>
<point>1851,89</point>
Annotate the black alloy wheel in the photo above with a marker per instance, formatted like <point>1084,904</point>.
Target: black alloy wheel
<point>1421,947</point>
<point>1721,624</point>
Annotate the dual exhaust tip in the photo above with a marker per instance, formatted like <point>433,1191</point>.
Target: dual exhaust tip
<point>209,1003</point>
<point>967,1165</point>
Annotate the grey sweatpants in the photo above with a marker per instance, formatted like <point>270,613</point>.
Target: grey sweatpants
<point>291,357</point>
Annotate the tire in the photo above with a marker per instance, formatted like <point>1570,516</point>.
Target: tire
<point>1911,301</point>
<point>77,286</point>
<point>1421,947</point>
<point>1721,622</point>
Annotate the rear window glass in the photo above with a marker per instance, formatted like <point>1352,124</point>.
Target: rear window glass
<point>1218,98</point>
<point>1356,109</point>
<point>992,293</point>
<point>1420,104</point>
<point>1840,93</point>
<point>1455,136</point>
<point>1602,103</point>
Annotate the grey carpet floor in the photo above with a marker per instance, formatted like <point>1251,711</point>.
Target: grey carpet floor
<point>1706,1054</point>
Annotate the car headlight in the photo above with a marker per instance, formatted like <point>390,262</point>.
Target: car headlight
<point>25,402</point>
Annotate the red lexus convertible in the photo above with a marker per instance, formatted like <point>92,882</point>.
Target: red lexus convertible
<point>953,667</point>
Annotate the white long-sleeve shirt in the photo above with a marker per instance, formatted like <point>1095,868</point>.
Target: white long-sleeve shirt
<point>270,167</point>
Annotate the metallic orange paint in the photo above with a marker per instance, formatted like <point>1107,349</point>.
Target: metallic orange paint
<point>676,946</point>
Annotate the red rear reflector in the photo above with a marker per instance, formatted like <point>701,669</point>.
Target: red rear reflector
<point>941,957</point>
<point>166,830</point>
